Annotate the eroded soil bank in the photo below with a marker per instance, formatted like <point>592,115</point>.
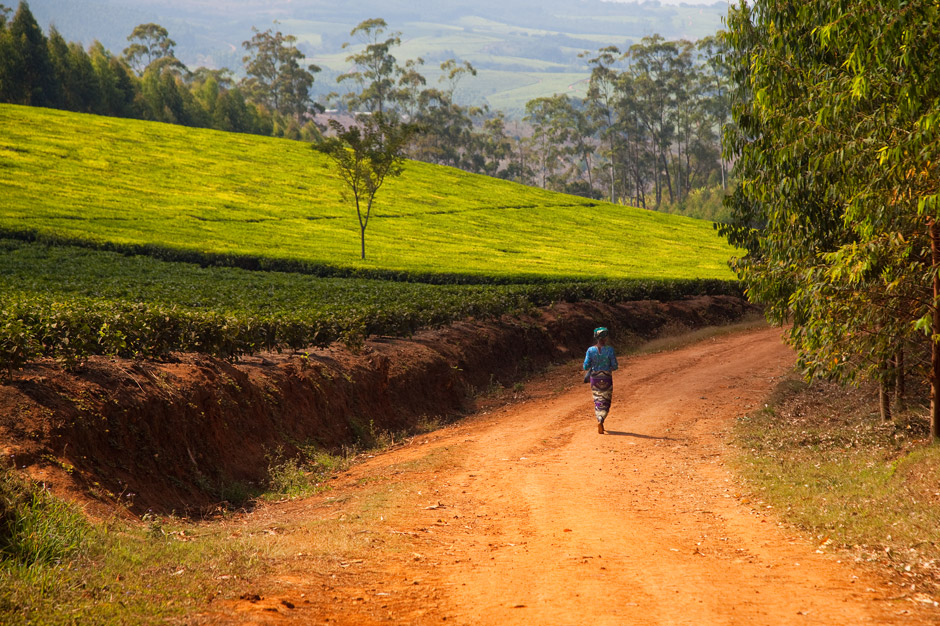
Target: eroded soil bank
<point>192,434</point>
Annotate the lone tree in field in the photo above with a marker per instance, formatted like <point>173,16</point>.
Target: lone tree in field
<point>364,156</point>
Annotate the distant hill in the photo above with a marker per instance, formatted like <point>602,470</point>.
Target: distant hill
<point>523,48</point>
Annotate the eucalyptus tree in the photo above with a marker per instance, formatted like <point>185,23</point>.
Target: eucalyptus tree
<point>549,137</point>
<point>714,83</point>
<point>836,121</point>
<point>276,77</point>
<point>562,136</point>
<point>657,67</point>
<point>375,69</point>
<point>601,102</point>
<point>453,72</point>
<point>411,85</point>
<point>150,44</point>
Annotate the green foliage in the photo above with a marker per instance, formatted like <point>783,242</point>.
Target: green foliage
<point>57,567</point>
<point>365,155</point>
<point>704,203</point>
<point>837,153</point>
<point>71,303</point>
<point>302,475</point>
<point>275,77</point>
<point>28,74</point>
<point>36,528</point>
<point>40,71</point>
<point>375,68</point>
<point>150,43</point>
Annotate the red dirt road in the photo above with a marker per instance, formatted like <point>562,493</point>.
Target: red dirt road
<point>525,515</point>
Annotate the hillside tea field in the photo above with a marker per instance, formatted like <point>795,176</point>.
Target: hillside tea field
<point>124,183</point>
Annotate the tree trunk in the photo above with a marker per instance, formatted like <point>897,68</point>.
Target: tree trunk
<point>665,164</point>
<point>884,400</point>
<point>362,242</point>
<point>899,404</point>
<point>935,329</point>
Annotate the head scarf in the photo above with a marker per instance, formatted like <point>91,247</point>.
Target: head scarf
<point>600,333</point>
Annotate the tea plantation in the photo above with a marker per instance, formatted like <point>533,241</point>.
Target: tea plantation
<point>136,238</point>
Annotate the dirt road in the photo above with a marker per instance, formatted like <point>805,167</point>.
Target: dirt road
<point>525,515</point>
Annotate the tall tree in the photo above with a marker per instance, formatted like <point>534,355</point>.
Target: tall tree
<point>375,69</point>
<point>79,88</point>
<point>28,75</point>
<point>276,77</point>
<point>837,144</point>
<point>715,82</point>
<point>602,99</point>
<point>365,156</point>
<point>7,56</point>
<point>655,64</point>
<point>118,86</point>
<point>150,44</point>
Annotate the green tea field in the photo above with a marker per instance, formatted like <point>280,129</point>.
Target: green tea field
<point>130,182</point>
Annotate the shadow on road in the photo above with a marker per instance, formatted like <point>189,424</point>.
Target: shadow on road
<point>638,435</point>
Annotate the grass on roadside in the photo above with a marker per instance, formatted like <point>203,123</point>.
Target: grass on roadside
<point>58,567</point>
<point>824,458</point>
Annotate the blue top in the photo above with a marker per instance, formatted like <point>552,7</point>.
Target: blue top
<point>603,359</point>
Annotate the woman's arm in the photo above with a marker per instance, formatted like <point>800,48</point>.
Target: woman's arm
<point>588,359</point>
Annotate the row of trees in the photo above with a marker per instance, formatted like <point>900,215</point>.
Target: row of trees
<point>648,131</point>
<point>837,145</point>
<point>147,81</point>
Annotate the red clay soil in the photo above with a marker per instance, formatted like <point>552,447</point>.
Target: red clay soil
<point>195,434</point>
<point>526,515</point>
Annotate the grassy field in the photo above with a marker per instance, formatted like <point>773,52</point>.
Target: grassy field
<point>104,190</point>
<point>132,182</point>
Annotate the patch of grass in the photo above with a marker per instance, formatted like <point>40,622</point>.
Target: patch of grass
<point>303,475</point>
<point>35,527</point>
<point>56,567</point>
<point>824,458</point>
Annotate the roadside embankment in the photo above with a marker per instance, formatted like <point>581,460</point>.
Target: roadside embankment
<point>195,433</point>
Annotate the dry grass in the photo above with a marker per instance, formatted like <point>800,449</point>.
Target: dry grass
<point>822,455</point>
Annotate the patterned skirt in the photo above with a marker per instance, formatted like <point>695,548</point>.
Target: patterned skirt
<point>602,388</point>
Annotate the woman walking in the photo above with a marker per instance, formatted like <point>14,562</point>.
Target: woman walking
<point>600,361</point>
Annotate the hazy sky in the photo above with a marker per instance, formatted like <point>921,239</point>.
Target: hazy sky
<point>677,1</point>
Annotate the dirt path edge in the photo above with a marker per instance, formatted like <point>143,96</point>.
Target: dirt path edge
<point>188,435</point>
